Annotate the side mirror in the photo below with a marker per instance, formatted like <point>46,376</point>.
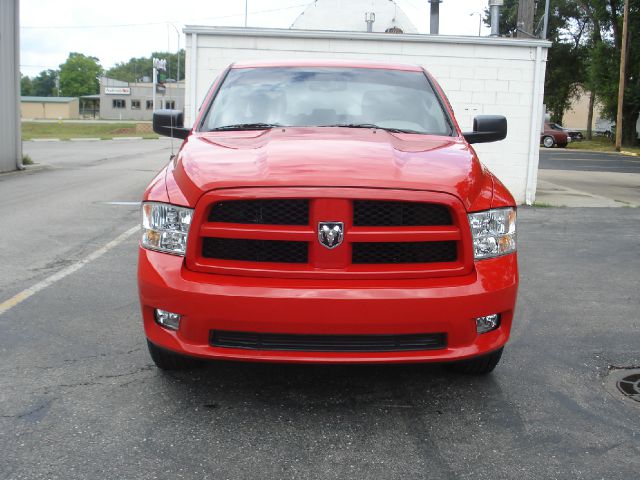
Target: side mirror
<point>487,128</point>
<point>170,123</point>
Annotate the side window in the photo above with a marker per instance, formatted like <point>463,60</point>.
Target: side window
<point>135,104</point>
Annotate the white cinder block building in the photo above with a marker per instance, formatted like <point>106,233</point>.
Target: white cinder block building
<point>480,75</point>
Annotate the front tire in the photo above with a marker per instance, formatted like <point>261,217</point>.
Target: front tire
<point>166,360</point>
<point>479,365</point>
<point>548,142</point>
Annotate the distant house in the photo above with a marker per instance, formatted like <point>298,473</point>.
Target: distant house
<point>52,108</point>
<point>577,115</point>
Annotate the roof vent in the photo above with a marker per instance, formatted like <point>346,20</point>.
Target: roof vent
<point>369,18</point>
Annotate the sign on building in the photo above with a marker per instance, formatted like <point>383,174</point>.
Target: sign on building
<point>117,91</point>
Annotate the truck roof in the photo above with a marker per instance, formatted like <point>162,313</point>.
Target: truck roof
<point>326,63</point>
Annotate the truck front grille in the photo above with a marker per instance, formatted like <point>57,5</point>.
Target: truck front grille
<point>328,343</point>
<point>389,234</point>
<point>262,212</point>
<point>372,213</point>
<point>255,250</point>
<point>404,252</point>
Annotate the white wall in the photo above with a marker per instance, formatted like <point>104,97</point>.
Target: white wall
<point>480,75</point>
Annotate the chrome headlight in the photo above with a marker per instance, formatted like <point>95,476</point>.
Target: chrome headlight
<point>165,227</point>
<point>493,232</point>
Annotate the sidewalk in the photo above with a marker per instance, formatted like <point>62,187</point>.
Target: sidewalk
<point>572,188</point>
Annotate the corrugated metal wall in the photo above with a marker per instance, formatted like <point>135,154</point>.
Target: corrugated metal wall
<point>10,141</point>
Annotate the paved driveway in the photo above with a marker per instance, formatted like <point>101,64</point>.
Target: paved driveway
<point>80,399</point>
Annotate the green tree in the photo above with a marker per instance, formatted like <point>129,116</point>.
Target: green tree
<point>565,59</point>
<point>26,85</point>
<point>604,64</point>
<point>135,68</point>
<point>44,84</point>
<point>79,75</point>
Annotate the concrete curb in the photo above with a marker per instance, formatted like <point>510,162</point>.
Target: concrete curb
<point>576,150</point>
<point>28,169</point>
<point>92,139</point>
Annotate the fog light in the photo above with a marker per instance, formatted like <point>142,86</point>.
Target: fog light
<point>488,323</point>
<point>167,319</point>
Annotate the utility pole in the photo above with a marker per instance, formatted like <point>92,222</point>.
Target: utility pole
<point>246,12</point>
<point>525,18</point>
<point>623,69</point>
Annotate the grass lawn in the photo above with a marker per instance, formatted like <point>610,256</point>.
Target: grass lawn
<point>599,144</point>
<point>65,131</point>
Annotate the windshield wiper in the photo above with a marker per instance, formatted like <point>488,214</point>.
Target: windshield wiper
<point>372,125</point>
<point>245,126</point>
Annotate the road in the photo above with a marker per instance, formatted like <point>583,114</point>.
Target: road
<point>575,178</point>
<point>80,398</point>
<point>564,159</point>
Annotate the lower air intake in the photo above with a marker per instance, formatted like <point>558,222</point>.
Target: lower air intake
<point>328,343</point>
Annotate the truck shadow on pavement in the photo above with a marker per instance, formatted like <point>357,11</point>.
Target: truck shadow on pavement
<point>230,384</point>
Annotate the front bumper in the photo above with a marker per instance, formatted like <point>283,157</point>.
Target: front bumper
<point>306,306</point>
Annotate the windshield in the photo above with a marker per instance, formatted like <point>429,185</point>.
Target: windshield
<point>322,96</point>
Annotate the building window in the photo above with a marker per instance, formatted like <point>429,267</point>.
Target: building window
<point>119,103</point>
<point>135,104</point>
<point>170,104</point>
<point>149,104</point>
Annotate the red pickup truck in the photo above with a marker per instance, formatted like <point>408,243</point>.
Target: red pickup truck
<point>327,212</point>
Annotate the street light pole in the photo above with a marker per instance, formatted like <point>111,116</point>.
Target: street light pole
<point>621,81</point>
<point>479,21</point>
<point>178,33</point>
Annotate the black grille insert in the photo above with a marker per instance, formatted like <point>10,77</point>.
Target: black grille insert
<point>380,213</point>
<point>265,212</point>
<point>328,343</point>
<point>404,252</point>
<point>255,250</point>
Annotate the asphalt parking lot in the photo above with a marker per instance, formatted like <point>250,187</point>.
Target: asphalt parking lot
<point>588,179</point>
<point>80,398</point>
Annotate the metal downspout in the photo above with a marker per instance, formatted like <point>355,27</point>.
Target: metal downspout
<point>534,139</point>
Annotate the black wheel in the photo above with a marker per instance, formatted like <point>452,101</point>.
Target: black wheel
<point>479,365</point>
<point>548,142</point>
<point>166,360</point>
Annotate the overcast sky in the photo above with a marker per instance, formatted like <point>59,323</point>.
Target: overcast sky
<point>116,30</point>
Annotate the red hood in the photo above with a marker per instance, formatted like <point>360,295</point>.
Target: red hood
<point>331,157</point>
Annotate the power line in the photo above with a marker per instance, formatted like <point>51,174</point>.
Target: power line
<point>125,25</point>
